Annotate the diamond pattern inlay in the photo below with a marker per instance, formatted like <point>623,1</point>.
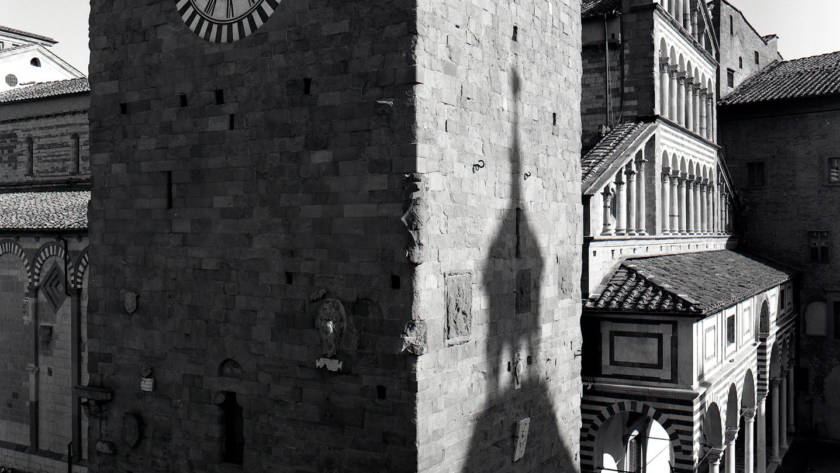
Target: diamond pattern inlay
<point>53,287</point>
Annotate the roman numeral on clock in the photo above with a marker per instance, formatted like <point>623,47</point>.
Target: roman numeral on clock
<point>210,7</point>
<point>229,12</point>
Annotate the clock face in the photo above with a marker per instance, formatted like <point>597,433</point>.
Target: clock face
<point>225,21</point>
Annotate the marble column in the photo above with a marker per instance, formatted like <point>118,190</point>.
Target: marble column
<point>672,94</point>
<point>683,207</point>
<point>675,202</point>
<point>698,226</point>
<point>664,82</point>
<point>709,206</point>
<point>620,205</point>
<point>713,119</point>
<point>681,99</point>
<point>701,105</point>
<point>783,407</point>
<point>761,435</point>
<point>696,119</point>
<point>694,30</point>
<point>641,197</point>
<point>666,200</point>
<point>774,425</point>
<point>689,204</point>
<point>731,436</point>
<point>714,457</point>
<point>749,441</point>
<point>631,199</point>
<point>689,111</point>
<point>607,195</point>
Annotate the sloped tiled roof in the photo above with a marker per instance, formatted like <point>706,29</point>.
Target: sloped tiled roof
<point>6,29</point>
<point>64,210</point>
<point>590,8</point>
<point>609,148</point>
<point>45,89</point>
<point>692,283</point>
<point>813,76</point>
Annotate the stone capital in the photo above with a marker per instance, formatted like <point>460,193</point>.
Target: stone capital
<point>749,414</point>
<point>673,70</point>
<point>715,455</point>
<point>663,63</point>
<point>681,78</point>
<point>607,192</point>
<point>631,173</point>
<point>731,434</point>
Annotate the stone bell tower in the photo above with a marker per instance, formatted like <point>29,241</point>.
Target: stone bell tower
<point>335,236</point>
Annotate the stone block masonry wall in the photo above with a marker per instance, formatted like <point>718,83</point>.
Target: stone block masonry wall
<point>593,100</point>
<point>631,76</point>
<point>796,198</point>
<point>53,143</point>
<point>55,383</point>
<point>16,349</point>
<point>241,190</point>
<point>497,282</point>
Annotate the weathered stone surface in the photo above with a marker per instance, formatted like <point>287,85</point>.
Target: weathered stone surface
<point>458,290</point>
<point>236,220</point>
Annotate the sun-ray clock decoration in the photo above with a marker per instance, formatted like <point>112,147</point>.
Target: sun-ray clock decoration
<point>225,21</point>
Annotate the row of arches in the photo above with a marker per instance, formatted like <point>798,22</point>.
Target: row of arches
<point>736,433</point>
<point>693,200</point>
<point>76,268</point>
<point>688,16</point>
<point>686,94</point>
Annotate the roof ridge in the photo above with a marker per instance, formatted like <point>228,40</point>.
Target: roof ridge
<point>26,33</point>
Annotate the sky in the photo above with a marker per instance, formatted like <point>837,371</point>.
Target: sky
<point>805,27</point>
<point>62,20</point>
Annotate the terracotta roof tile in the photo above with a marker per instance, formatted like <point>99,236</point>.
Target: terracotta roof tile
<point>798,78</point>
<point>693,283</point>
<point>45,89</point>
<point>44,210</point>
<point>590,8</point>
<point>610,148</point>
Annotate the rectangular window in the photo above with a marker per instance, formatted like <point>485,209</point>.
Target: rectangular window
<point>730,78</point>
<point>834,170</point>
<point>730,329</point>
<point>757,58</point>
<point>781,299</point>
<point>837,319</point>
<point>740,62</point>
<point>755,174</point>
<point>731,26</point>
<point>820,246</point>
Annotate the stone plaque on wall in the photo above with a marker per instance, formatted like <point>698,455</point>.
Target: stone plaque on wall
<point>458,293</point>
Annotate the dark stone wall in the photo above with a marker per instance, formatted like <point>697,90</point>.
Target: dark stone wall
<point>55,126</point>
<point>239,223</point>
<point>794,147</point>
<point>16,334</point>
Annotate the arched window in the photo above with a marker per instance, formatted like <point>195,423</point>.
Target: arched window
<point>35,62</point>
